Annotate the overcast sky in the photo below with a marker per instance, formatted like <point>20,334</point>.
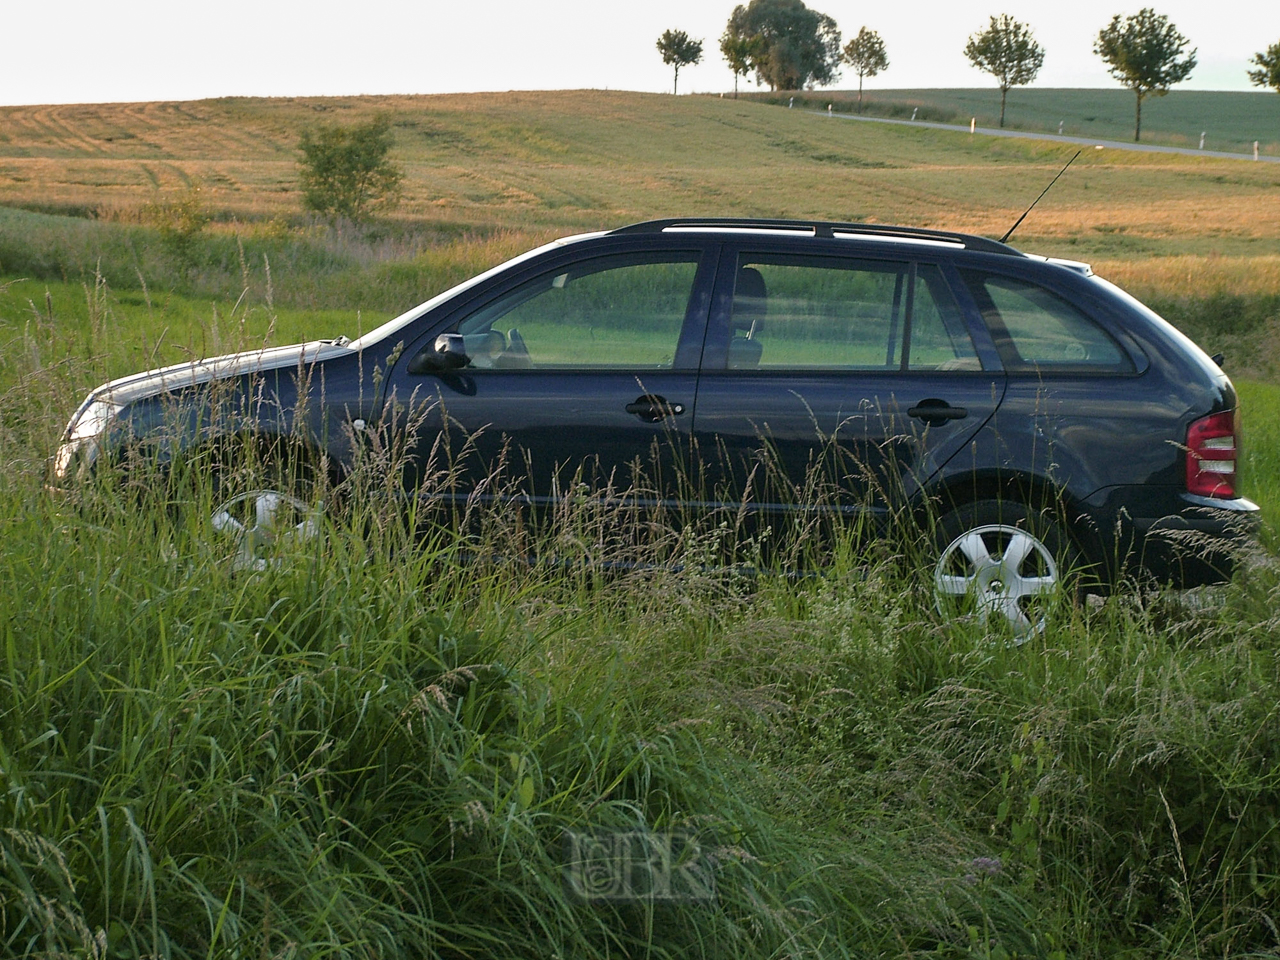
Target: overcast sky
<point>86,51</point>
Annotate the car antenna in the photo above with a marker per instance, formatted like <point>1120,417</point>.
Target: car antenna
<point>1039,198</point>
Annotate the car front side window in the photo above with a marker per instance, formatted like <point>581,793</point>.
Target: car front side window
<point>624,311</point>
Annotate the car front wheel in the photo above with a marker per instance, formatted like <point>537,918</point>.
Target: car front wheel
<point>258,526</point>
<point>265,503</point>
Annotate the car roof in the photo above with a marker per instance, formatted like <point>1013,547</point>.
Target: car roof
<point>824,229</point>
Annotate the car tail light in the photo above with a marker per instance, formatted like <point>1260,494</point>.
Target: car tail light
<point>1211,455</point>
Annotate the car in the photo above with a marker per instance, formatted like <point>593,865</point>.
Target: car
<point>1041,416</point>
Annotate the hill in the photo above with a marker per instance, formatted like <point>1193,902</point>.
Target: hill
<point>1230,120</point>
<point>586,160</point>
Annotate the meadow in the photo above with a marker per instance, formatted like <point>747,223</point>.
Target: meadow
<point>1230,122</point>
<point>378,746</point>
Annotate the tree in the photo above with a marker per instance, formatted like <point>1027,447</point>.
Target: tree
<point>347,172</point>
<point>181,222</point>
<point>740,53</point>
<point>1007,51</point>
<point>678,48</point>
<point>1144,52</point>
<point>798,47</point>
<point>865,53</point>
<point>1269,74</point>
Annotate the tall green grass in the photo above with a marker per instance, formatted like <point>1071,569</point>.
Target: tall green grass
<point>375,748</point>
<point>298,268</point>
<point>1260,412</point>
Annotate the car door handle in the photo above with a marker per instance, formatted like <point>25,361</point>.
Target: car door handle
<point>651,408</point>
<point>933,410</point>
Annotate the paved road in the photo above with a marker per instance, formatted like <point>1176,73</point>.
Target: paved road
<point>1079,141</point>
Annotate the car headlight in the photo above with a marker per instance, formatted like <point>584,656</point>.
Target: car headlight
<point>81,446</point>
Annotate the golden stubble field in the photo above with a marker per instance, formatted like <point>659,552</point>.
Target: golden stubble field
<point>591,159</point>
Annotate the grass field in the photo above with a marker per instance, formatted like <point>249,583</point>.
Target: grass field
<point>376,749</point>
<point>1231,122</point>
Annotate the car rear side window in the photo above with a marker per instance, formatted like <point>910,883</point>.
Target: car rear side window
<point>939,337</point>
<point>828,313</point>
<point>1035,329</point>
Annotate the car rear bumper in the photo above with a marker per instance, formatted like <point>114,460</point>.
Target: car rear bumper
<point>1198,541</point>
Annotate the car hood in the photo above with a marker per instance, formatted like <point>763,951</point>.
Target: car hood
<point>139,386</point>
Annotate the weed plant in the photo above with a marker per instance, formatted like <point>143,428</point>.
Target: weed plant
<point>375,744</point>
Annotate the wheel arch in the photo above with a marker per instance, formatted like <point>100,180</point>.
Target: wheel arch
<point>1034,492</point>
<point>268,446</point>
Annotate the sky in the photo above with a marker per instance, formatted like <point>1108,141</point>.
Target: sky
<point>92,51</point>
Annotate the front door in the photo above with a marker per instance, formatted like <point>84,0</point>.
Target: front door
<point>580,379</point>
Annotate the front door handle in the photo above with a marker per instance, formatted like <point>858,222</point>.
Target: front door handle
<point>652,408</point>
<point>935,411</point>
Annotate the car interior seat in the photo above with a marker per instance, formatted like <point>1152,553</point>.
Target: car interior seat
<point>750,303</point>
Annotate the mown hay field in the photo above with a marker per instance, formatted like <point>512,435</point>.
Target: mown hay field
<point>592,159</point>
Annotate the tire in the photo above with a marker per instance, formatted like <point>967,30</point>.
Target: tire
<point>1000,560</point>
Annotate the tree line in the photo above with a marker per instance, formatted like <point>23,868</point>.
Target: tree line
<point>789,47</point>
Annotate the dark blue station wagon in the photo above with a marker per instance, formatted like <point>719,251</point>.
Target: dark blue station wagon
<point>1044,413</point>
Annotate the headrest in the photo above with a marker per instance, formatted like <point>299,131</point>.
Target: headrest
<point>749,296</point>
<point>750,284</point>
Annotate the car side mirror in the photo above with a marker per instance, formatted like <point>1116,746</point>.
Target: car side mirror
<point>449,352</point>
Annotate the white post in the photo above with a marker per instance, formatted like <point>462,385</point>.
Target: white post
<point>1201,139</point>
<point>1255,149</point>
<point>914,112</point>
<point>1060,123</point>
<point>828,109</point>
<point>973,124</point>
<point>791,103</point>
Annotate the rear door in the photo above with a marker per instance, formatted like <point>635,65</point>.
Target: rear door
<point>837,379</point>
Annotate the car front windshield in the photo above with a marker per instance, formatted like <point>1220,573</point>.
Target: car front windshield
<point>392,327</point>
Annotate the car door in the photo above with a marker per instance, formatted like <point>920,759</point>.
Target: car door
<point>579,374</point>
<point>835,379</point>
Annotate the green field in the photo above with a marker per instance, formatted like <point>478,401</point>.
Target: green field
<point>1231,122</point>
<point>377,746</point>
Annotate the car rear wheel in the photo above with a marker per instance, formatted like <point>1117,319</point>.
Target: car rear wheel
<point>1000,561</point>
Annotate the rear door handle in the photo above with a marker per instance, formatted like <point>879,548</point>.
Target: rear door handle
<point>934,410</point>
<point>651,408</point>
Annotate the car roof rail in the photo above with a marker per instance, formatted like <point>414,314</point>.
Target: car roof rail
<point>822,228</point>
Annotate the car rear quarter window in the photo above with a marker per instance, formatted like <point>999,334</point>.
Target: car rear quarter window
<point>1035,329</point>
